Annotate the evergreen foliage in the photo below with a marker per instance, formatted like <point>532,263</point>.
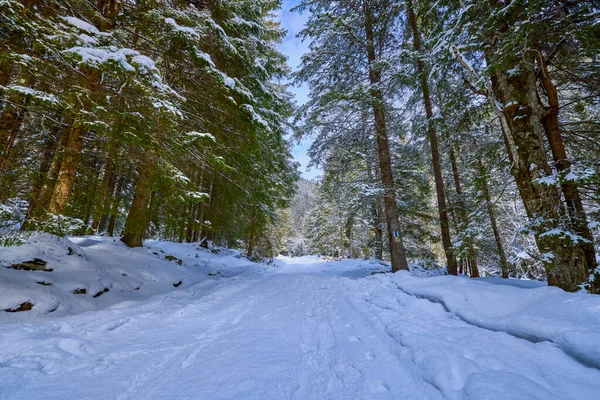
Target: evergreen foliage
<point>154,118</point>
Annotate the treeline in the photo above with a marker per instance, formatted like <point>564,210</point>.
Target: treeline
<point>462,128</point>
<point>143,118</point>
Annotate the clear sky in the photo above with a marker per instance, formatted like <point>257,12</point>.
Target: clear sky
<point>294,48</point>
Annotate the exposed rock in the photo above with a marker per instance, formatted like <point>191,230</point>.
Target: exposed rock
<point>100,293</point>
<point>36,264</point>
<point>27,306</point>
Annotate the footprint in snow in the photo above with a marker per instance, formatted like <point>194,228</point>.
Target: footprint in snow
<point>369,355</point>
<point>354,339</point>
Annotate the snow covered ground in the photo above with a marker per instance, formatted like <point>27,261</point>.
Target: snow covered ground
<point>303,328</point>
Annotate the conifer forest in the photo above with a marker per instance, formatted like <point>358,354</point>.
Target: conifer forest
<point>300,199</point>
<point>452,132</point>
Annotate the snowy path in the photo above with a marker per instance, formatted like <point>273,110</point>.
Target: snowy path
<point>301,331</point>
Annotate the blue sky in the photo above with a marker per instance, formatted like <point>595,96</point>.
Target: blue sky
<point>294,48</point>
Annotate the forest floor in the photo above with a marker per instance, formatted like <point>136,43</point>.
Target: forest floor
<point>301,328</point>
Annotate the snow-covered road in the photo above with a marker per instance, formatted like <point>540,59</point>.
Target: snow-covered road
<point>306,330</point>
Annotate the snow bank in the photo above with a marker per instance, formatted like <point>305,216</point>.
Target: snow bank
<point>532,312</point>
<point>95,272</point>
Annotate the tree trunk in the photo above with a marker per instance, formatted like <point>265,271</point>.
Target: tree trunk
<point>492,215</point>
<point>564,260</point>
<point>189,230</point>
<point>435,155</point>
<point>397,253</point>
<point>573,201</point>
<point>251,241</point>
<point>68,169</point>
<point>137,218</point>
<point>378,248</point>
<point>38,185</point>
<point>40,204</point>
<point>115,207</point>
<point>463,214</point>
<point>181,233</point>
<point>207,232</point>
<point>198,218</point>
<point>10,122</point>
<point>105,192</point>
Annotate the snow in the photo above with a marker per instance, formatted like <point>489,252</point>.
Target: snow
<point>523,255</point>
<point>87,40</point>
<point>94,55</point>
<point>185,30</point>
<point>299,328</point>
<point>80,24</point>
<point>42,96</point>
<point>254,115</point>
<point>575,238</point>
<point>229,82</point>
<point>196,135</point>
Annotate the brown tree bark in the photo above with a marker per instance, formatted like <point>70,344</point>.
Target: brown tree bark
<point>71,156</point>
<point>377,231</point>
<point>492,215</point>
<point>396,245</point>
<point>564,261</point>
<point>433,140</point>
<point>38,185</point>
<point>137,218</point>
<point>251,241</point>
<point>39,204</point>
<point>10,122</point>
<point>115,206</point>
<point>573,201</point>
<point>104,191</point>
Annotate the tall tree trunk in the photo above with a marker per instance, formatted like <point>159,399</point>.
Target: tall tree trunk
<point>38,185</point>
<point>564,260</point>
<point>181,230</point>
<point>251,241</point>
<point>68,169</point>
<point>105,191</point>
<point>492,215</point>
<point>10,122</point>
<point>573,201</point>
<point>115,207</point>
<point>378,248</point>
<point>433,140</point>
<point>463,213</point>
<point>137,218</point>
<point>397,252</point>
<point>40,204</point>
<point>376,219</point>
<point>189,230</point>
<point>207,234</point>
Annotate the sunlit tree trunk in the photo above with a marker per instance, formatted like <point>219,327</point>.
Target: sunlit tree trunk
<point>396,245</point>
<point>433,140</point>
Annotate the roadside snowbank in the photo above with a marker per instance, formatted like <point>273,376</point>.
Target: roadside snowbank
<point>533,311</point>
<point>94,272</point>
